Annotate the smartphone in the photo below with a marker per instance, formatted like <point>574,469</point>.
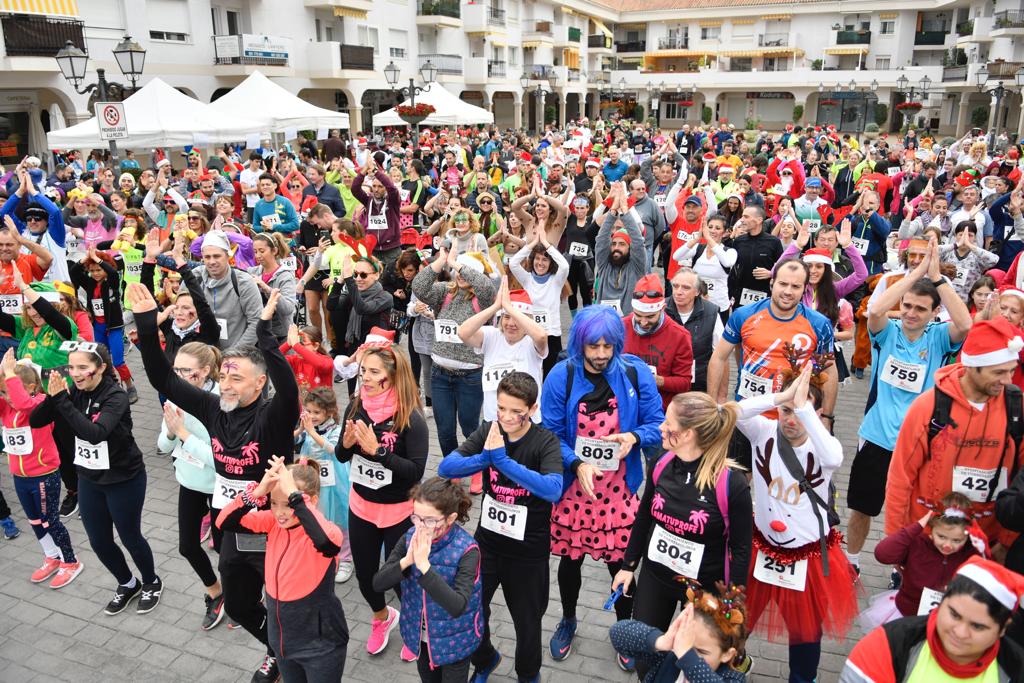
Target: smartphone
<point>323,234</point>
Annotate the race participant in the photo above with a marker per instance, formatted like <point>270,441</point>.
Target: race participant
<point>701,319</point>
<point>381,216</point>
<point>683,225</point>
<point>652,218</point>
<point>800,581</point>
<point>542,278</point>
<point>604,406</point>
<point>548,213</point>
<point>524,477</point>
<point>970,406</point>
<point>275,269</point>
<point>705,253</point>
<point>245,431</point>
<point>272,212</point>
<point>658,340</point>
<point>757,252</point>
<point>906,354</point>
<point>620,259</point>
<point>970,260</point>
<point>233,296</point>
<point>43,224</point>
<point>869,231</point>
<point>579,244</point>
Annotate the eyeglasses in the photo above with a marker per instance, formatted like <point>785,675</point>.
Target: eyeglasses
<point>360,275</point>
<point>428,522</point>
<point>650,294</point>
<point>294,187</point>
<point>186,373</point>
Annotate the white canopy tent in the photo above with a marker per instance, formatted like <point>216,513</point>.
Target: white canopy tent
<point>451,111</point>
<point>277,110</point>
<point>160,116</point>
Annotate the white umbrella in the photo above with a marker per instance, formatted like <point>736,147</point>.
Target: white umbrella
<point>57,117</point>
<point>36,134</point>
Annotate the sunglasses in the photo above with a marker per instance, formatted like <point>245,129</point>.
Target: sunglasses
<point>361,275</point>
<point>294,187</point>
<point>485,202</point>
<point>650,294</point>
<point>193,218</point>
<point>35,218</point>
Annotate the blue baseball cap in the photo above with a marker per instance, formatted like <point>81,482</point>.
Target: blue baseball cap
<point>812,182</point>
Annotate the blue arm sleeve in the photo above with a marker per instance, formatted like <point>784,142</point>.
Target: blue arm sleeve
<point>8,210</point>
<point>546,486</point>
<point>553,406</point>
<point>879,226</point>
<point>455,465</point>
<point>55,224</point>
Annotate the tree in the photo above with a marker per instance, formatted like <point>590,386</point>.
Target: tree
<point>706,114</point>
<point>798,113</point>
<point>881,113</point>
<point>979,117</point>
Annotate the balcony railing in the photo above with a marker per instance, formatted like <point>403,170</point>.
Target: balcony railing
<point>599,40</point>
<point>965,28</point>
<point>954,73</point>
<point>773,39</point>
<point>853,38</point>
<point>495,16</point>
<point>398,52</point>
<point>36,36</point>
<point>445,64</point>
<point>357,57</point>
<point>438,8</point>
<point>1003,69</point>
<point>601,77</point>
<point>930,37</point>
<point>541,27</point>
<point>1009,19</point>
<point>254,49</point>
<point>495,69</point>
<point>539,72</point>
<point>631,46</point>
<point>674,43</point>
<point>573,74</point>
<point>574,35</point>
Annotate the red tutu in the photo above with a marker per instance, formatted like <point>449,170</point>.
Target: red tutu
<point>828,604</point>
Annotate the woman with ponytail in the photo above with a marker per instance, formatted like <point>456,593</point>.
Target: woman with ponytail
<point>273,272</point>
<point>695,518</point>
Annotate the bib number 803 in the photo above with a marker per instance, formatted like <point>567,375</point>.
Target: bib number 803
<point>597,453</point>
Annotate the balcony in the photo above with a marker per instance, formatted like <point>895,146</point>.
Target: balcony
<point>1008,23</point>
<point>573,75</point>
<point>335,60</point>
<point>495,69</point>
<point>241,55</point>
<point>496,16</point>
<point>674,43</point>
<point>482,18</point>
<point>1003,70</point>
<point>331,5</point>
<point>601,77</point>
<point>930,38</point>
<point>441,13</point>
<point>977,30</point>
<point>538,72</point>
<point>965,28</point>
<point>599,41</point>
<point>853,37</point>
<point>954,74</point>
<point>357,57</point>
<point>773,39</point>
<point>631,46</point>
<point>447,65</point>
<point>38,39</point>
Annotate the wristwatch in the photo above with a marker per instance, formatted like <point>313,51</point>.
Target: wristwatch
<point>940,281</point>
<point>380,452</point>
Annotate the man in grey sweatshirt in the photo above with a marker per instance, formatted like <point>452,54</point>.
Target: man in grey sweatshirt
<point>652,218</point>
<point>621,258</point>
<point>232,294</point>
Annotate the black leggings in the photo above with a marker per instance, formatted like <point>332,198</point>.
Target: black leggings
<point>655,601</point>
<point>570,580</point>
<point>192,507</point>
<point>109,506</point>
<point>414,358</point>
<point>241,574</point>
<point>578,283</point>
<point>65,442</point>
<point>366,539</point>
<point>554,348</point>
<point>456,672</point>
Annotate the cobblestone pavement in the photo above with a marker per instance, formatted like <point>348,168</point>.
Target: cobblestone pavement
<point>64,635</point>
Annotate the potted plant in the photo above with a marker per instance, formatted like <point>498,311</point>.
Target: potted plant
<point>871,131</point>
<point>414,114</point>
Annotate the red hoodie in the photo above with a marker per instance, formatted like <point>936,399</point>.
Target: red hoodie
<point>43,457</point>
<point>670,350</point>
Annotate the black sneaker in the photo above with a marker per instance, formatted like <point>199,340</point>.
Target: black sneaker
<point>133,393</point>
<point>70,505</point>
<point>123,596</point>
<point>267,673</point>
<point>150,596</point>
<point>895,580</point>
<point>214,611</point>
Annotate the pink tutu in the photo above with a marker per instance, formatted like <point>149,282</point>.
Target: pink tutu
<point>881,610</point>
<point>600,527</point>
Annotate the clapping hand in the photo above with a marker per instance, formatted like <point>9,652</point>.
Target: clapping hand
<point>365,437</point>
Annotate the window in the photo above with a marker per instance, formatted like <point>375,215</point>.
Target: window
<point>742,30</point>
<point>883,62</point>
<point>172,16</point>
<point>368,36</point>
<point>169,36</point>
<point>740,64</point>
<point>888,27</point>
<point>673,111</point>
<point>710,32</point>
<point>399,42</point>
<point>328,34</point>
<point>233,29</point>
<point>513,56</point>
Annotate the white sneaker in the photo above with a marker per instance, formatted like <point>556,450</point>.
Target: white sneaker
<point>345,570</point>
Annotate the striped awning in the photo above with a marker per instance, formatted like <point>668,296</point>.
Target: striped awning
<point>62,8</point>
<point>742,22</point>
<point>664,54</point>
<point>498,43</point>
<point>710,23</point>
<point>855,50</point>
<point>531,44</point>
<point>889,15</point>
<point>351,13</point>
<point>764,52</point>
<point>770,17</point>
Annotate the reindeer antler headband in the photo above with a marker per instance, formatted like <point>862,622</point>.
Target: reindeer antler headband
<point>727,610</point>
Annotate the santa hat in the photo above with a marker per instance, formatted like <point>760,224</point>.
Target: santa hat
<point>520,300</point>
<point>709,156</point>
<point>1004,585</point>
<point>991,342</point>
<point>467,260</point>
<point>379,337</point>
<point>817,255</point>
<point>1011,290</point>
<point>593,162</point>
<point>643,302</point>
<point>362,141</point>
<point>526,157</point>
<point>726,168</point>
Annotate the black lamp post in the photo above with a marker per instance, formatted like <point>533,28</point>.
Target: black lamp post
<point>901,85</point>
<point>131,59</point>
<point>428,72</point>
<point>541,92</point>
<point>999,91</point>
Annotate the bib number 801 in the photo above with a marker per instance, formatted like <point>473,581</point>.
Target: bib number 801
<point>501,516</point>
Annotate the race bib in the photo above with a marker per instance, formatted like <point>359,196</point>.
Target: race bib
<point>11,303</point>
<point>893,171</point>
<point>97,307</point>
<point>222,323</point>
<point>861,244</point>
<point>290,262</point>
<point>661,200</point>
<point>813,225</point>
<point>904,375</point>
<point>226,490</point>
<point>368,473</point>
<point>976,483</point>
<point>752,385</point>
<point>18,440</point>
<point>791,576</point>
<point>503,518</point>
<point>710,284</point>
<point>493,374</point>
<point>446,331</point>
<point>271,219</point>
<point>961,277</point>
<point>930,599</point>
<point>404,194</point>
<point>678,554</point>
<point>579,249</point>
<point>377,222</point>
<point>92,456</point>
<point>684,236</point>
<point>598,453</point>
<point>614,303</point>
<point>327,477</point>
<point>133,269</point>
<point>653,369</point>
<point>181,454</point>
<point>540,316</point>
<point>751,296</point>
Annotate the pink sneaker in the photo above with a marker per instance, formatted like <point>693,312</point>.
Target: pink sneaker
<point>66,574</point>
<point>408,655</point>
<point>380,631</point>
<point>49,568</point>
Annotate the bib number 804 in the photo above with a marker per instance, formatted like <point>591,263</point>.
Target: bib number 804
<point>673,551</point>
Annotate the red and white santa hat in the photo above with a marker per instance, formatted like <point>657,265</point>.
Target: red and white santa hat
<point>379,337</point>
<point>1004,585</point>
<point>709,156</point>
<point>593,162</point>
<point>1011,291</point>
<point>991,342</point>
<point>526,157</point>
<point>520,300</point>
<point>726,168</point>
<point>817,255</point>
<point>649,294</point>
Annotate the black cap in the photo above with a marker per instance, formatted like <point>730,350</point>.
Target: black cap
<point>36,211</point>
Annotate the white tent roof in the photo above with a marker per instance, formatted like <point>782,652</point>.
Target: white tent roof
<point>259,98</point>
<point>160,116</point>
<point>451,111</point>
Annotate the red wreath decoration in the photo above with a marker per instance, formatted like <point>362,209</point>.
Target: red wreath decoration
<point>685,103</point>
<point>908,106</point>
<point>828,103</point>
<point>421,109</point>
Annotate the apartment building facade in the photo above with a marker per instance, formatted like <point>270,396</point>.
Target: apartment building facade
<point>749,62</point>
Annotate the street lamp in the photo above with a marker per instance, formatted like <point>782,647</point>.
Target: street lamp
<point>428,72</point>
<point>73,63</point>
<point>999,91</point>
<point>654,92</point>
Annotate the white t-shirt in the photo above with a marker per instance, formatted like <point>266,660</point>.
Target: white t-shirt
<point>547,295</point>
<point>521,356</point>
<point>250,178</point>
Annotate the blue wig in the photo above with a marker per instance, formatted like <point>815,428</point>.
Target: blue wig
<point>594,323</point>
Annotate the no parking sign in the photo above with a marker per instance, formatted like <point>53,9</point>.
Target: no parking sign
<point>110,116</point>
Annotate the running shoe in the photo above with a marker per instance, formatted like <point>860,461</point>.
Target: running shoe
<point>133,393</point>
<point>408,655</point>
<point>150,596</point>
<point>268,671</point>
<point>345,570</point>
<point>69,506</point>
<point>561,641</point>
<point>232,624</point>
<point>122,597</point>
<point>625,663</point>
<point>480,675</point>
<point>380,631</point>
<point>11,530</point>
<point>204,529</point>
<point>67,573</point>
<point>49,568</point>
<point>214,611</point>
